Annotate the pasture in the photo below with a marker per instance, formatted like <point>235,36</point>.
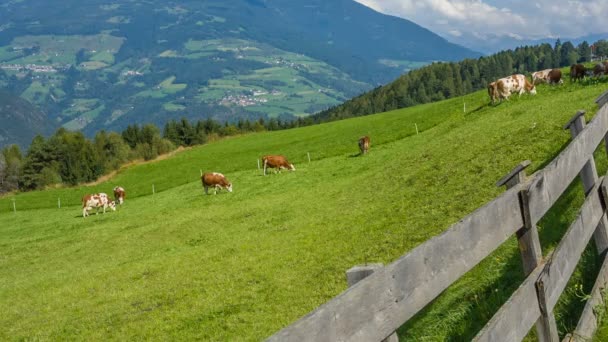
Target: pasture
<point>240,266</point>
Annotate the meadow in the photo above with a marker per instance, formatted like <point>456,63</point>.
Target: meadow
<point>239,266</point>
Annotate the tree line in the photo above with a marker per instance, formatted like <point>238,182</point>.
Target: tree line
<point>70,158</point>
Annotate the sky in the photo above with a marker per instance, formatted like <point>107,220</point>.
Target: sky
<point>520,19</point>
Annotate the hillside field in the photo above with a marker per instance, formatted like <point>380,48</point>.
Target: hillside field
<point>239,266</point>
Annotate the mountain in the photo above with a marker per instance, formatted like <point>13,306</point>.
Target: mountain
<point>96,64</point>
<point>495,43</point>
<point>21,121</point>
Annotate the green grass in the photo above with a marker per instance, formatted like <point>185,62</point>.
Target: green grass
<point>36,92</point>
<point>240,266</point>
<point>84,119</point>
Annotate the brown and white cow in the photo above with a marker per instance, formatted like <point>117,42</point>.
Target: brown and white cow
<point>541,76</point>
<point>96,201</point>
<point>577,72</point>
<point>504,87</point>
<point>119,194</point>
<point>364,144</point>
<point>599,70</point>
<point>215,180</point>
<point>278,162</point>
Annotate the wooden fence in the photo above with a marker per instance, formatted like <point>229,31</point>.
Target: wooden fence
<point>375,307</point>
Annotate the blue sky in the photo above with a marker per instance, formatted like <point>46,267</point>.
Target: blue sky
<point>459,20</point>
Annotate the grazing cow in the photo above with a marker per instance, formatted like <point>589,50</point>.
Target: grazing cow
<point>364,144</point>
<point>555,77</point>
<point>577,72</point>
<point>599,70</point>
<point>96,201</point>
<point>278,162</point>
<point>541,76</point>
<point>119,194</point>
<point>215,180</point>
<point>493,91</point>
<point>504,87</point>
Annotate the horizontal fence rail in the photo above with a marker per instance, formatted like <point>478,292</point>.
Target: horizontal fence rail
<point>375,307</point>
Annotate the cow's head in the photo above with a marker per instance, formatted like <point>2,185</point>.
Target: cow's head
<point>533,90</point>
<point>112,205</point>
<point>291,167</point>
<point>229,187</point>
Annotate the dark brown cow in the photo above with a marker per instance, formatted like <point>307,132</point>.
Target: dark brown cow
<point>555,77</point>
<point>215,180</point>
<point>119,194</point>
<point>278,162</point>
<point>577,72</point>
<point>364,144</point>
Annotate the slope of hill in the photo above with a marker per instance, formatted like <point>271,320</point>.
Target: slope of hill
<point>93,64</point>
<point>182,265</point>
<point>21,121</point>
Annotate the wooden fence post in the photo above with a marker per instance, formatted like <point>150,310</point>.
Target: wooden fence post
<point>589,177</point>
<point>358,273</point>
<point>602,99</point>
<point>529,247</point>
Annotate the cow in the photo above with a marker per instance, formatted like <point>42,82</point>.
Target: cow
<point>599,70</point>
<point>215,180</point>
<point>96,201</point>
<point>555,77</point>
<point>278,162</point>
<point>364,144</point>
<point>493,91</point>
<point>577,72</point>
<point>504,87</point>
<point>540,76</point>
<point>119,194</point>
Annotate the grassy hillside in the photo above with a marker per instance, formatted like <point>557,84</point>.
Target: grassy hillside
<point>239,266</point>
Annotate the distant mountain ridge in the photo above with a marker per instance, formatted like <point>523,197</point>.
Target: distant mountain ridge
<point>95,64</point>
<point>21,121</point>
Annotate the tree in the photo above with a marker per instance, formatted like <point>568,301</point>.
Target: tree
<point>601,48</point>
<point>568,54</point>
<point>13,169</point>
<point>584,51</point>
<point>112,150</point>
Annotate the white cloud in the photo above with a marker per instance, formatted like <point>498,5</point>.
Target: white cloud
<point>521,19</point>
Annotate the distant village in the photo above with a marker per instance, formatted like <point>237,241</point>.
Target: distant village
<point>244,100</point>
<point>35,67</point>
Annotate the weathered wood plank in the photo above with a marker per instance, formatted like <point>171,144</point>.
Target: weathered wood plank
<point>553,180</point>
<point>587,324</point>
<point>515,318</point>
<point>559,268</point>
<point>375,307</point>
<point>356,274</point>
<point>529,246</point>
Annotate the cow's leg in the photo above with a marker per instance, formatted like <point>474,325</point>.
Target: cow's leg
<point>215,190</point>
<point>206,190</point>
<point>264,168</point>
<point>84,212</point>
